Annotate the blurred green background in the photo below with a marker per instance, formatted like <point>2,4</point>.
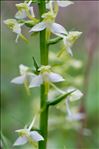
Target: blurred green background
<point>17,109</point>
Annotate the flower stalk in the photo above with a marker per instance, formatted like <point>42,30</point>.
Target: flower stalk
<point>43,94</point>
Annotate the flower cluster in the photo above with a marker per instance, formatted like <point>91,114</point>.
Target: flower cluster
<point>45,76</point>
<point>25,16</point>
<point>25,12</point>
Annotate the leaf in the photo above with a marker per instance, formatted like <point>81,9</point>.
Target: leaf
<point>4,141</point>
<point>59,99</point>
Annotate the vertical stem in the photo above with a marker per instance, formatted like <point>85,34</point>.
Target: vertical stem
<point>44,96</point>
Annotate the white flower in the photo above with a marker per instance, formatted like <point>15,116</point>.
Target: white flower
<point>69,40</point>
<point>26,135</point>
<point>76,95</point>
<point>49,23</point>
<point>25,75</point>
<point>24,10</point>
<point>14,26</point>
<point>46,77</point>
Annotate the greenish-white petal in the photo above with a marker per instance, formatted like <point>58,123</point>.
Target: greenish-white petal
<point>21,14</point>
<point>18,80</point>
<point>23,69</point>
<point>38,27</point>
<point>20,130</point>
<point>57,28</point>
<point>76,95</point>
<point>68,107</point>
<point>32,12</point>
<point>36,136</point>
<point>17,29</point>
<point>54,77</point>
<point>31,75</point>
<point>37,81</point>
<point>20,141</point>
<point>64,3</point>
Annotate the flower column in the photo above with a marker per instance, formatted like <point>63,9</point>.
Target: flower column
<point>44,61</point>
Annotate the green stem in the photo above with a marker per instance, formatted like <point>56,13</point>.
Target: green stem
<point>44,96</point>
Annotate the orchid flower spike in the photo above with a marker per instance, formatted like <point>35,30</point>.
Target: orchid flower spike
<point>68,41</point>
<point>25,75</point>
<point>26,135</point>
<point>45,76</point>
<point>76,95</point>
<point>49,23</point>
<point>24,10</point>
<point>53,6</point>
